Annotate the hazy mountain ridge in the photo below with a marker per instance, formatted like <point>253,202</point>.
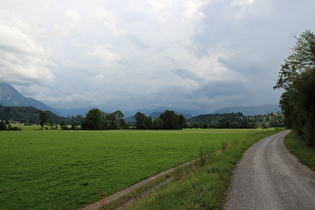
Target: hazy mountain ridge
<point>250,110</point>
<point>9,96</point>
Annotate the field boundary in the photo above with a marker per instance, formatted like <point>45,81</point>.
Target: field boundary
<point>124,192</point>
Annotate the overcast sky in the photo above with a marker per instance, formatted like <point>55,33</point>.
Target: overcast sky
<point>130,54</point>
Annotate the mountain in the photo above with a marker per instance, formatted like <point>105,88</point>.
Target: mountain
<point>9,96</point>
<point>72,112</point>
<point>250,110</point>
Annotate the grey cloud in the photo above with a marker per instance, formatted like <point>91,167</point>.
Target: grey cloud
<point>244,64</point>
<point>222,88</point>
<point>185,74</point>
<point>139,61</point>
<point>239,27</point>
<point>136,41</point>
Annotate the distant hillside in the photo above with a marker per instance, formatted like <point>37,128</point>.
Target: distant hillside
<point>214,118</point>
<point>25,114</point>
<point>236,120</point>
<point>250,110</point>
<point>9,96</point>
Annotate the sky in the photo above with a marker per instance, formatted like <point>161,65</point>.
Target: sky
<point>131,54</point>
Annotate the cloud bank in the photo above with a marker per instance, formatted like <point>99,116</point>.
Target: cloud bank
<point>193,54</point>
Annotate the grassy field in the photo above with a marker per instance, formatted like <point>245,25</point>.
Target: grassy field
<point>53,169</point>
<point>305,154</point>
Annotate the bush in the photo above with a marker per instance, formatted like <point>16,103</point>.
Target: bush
<point>3,126</point>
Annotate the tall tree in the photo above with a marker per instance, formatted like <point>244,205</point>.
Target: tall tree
<point>297,78</point>
<point>79,119</point>
<point>44,118</point>
<point>181,121</point>
<point>170,120</point>
<point>119,116</point>
<point>140,120</point>
<point>94,120</point>
<point>111,120</point>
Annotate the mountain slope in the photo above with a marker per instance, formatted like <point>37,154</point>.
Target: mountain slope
<point>26,114</point>
<point>9,96</point>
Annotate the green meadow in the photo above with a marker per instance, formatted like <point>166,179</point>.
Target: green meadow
<point>54,169</point>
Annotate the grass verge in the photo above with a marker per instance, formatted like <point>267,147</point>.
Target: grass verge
<point>202,187</point>
<point>297,147</point>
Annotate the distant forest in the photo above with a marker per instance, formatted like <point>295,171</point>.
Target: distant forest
<point>26,114</point>
<point>236,120</point>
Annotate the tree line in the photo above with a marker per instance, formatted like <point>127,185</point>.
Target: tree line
<point>97,120</point>
<point>297,78</point>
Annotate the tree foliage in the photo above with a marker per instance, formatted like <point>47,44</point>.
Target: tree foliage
<point>297,78</point>
<point>236,120</point>
<point>97,120</point>
<point>44,118</point>
<point>141,121</point>
<point>94,120</point>
<point>3,126</point>
<point>168,120</point>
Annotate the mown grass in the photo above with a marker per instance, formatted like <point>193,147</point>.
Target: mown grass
<point>298,147</point>
<point>53,169</point>
<point>201,187</point>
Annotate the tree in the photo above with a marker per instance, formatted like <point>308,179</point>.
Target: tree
<point>181,121</point>
<point>297,78</point>
<point>157,123</point>
<point>170,120</point>
<point>94,120</point>
<point>119,116</point>
<point>123,124</point>
<point>140,120</point>
<point>148,122</point>
<point>80,119</point>
<point>63,125</point>
<point>111,120</point>
<point>44,118</point>
<point>3,126</point>
<point>51,123</point>
<point>76,121</point>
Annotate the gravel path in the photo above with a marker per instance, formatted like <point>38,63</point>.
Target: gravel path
<point>269,177</point>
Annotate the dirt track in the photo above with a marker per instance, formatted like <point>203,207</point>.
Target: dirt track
<point>269,177</point>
